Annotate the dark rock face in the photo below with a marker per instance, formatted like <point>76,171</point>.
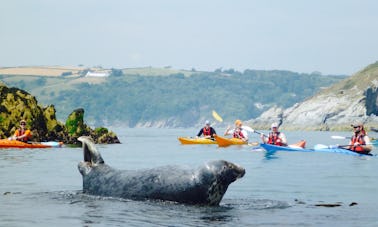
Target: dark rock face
<point>17,104</point>
<point>371,101</point>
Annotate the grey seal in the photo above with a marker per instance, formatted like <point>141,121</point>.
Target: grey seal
<point>205,185</point>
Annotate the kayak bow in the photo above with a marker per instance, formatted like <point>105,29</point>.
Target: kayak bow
<point>5,143</point>
<point>188,140</point>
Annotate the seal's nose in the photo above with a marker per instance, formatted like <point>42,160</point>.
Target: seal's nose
<point>241,172</point>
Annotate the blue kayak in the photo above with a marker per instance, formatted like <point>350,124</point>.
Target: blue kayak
<point>317,148</point>
<point>336,149</point>
<point>272,148</point>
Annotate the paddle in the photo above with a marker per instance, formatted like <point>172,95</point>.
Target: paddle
<point>341,137</point>
<point>345,137</point>
<point>322,146</point>
<point>245,127</point>
<point>217,117</point>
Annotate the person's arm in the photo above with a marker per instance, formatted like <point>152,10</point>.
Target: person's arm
<point>283,139</point>
<point>200,132</point>
<point>245,134</point>
<point>368,147</point>
<point>228,131</point>
<point>26,134</point>
<point>213,132</point>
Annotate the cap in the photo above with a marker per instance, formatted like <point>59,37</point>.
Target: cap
<point>356,124</point>
<point>238,122</point>
<point>207,122</point>
<point>274,125</point>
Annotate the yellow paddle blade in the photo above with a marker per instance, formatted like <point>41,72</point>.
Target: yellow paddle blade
<point>216,116</point>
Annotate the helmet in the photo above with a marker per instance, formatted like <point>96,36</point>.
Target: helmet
<point>207,122</point>
<point>274,125</point>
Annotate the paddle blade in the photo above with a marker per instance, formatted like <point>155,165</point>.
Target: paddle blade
<point>340,137</point>
<point>217,117</point>
<point>320,147</point>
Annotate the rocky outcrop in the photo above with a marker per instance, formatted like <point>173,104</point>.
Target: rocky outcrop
<point>16,104</point>
<point>334,108</point>
<point>76,127</point>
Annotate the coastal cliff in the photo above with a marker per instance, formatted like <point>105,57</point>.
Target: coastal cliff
<point>334,108</point>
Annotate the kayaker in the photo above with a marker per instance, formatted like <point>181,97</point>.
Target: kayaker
<point>360,142</point>
<point>207,131</point>
<point>21,134</point>
<point>275,137</point>
<point>238,131</point>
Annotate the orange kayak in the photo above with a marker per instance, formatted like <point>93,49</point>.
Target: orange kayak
<point>5,143</point>
<point>225,142</point>
<point>187,140</point>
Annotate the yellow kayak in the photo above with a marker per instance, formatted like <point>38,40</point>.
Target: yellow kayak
<point>225,142</point>
<point>188,140</point>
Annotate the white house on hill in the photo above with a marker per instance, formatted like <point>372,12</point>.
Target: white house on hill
<point>97,74</point>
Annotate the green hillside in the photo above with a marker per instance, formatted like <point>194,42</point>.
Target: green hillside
<point>171,97</point>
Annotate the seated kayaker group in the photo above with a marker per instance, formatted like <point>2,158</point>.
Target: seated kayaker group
<point>360,142</point>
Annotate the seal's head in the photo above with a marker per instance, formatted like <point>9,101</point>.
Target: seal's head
<point>220,174</point>
<point>92,156</point>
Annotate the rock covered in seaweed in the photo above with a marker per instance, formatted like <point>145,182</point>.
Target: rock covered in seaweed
<point>76,127</point>
<point>17,104</point>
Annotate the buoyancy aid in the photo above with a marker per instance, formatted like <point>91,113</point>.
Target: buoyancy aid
<point>20,132</point>
<point>360,139</point>
<point>238,134</point>
<point>273,137</point>
<point>206,131</point>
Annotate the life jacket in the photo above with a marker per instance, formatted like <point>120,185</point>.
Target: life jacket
<point>20,132</point>
<point>206,131</point>
<point>238,134</point>
<point>273,137</point>
<point>360,139</point>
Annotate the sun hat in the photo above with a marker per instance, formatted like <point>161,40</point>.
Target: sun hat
<point>238,122</point>
<point>357,124</point>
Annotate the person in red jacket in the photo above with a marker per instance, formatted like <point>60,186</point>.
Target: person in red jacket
<point>22,134</point>
<point>275,137</point>
<point>207,131</point>
<point>360,142</point>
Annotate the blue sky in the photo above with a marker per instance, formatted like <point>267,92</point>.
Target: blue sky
<point>332,37</point>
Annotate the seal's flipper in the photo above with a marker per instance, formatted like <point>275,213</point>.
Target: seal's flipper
<point>91,154</point>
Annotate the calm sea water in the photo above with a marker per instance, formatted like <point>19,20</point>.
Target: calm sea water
<point>43,187</point>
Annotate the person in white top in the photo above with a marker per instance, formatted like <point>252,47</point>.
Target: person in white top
<point>275,137</point>
<point>238,131</point>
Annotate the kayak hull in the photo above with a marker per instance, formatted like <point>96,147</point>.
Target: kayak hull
<point>187,141</point>
<point>317,148</point>
<point>5,143</point>
<point>225,142</point>
<point>272,148</point>
<point>331,149</point>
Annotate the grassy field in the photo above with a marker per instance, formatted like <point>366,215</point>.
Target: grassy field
<point>56,71</point>
<point>150,71</point>
<point>41,70</point>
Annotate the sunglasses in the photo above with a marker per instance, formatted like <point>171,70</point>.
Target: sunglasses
<point>22,124</point>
